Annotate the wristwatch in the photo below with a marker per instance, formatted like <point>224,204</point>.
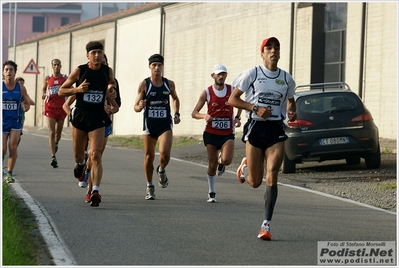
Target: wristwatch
<point>255,108</point>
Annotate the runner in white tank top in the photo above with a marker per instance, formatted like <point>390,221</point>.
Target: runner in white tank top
<point>269,98</point>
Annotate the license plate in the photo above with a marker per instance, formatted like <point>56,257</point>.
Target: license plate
<point>332,141</point>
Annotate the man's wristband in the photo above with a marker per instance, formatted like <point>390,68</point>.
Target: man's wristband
<point>177,113</point>
<point>237,117</point>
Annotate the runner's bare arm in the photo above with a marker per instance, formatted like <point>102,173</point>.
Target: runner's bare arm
<point>67,88</point>
<point>140,99</point>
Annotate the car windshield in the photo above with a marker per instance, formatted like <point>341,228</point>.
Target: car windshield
<point>323,103</point>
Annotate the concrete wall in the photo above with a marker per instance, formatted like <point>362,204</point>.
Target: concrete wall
<point>138,39</point>
<point>380,72</point>
<point>200,35</point>
<point>302,45</point>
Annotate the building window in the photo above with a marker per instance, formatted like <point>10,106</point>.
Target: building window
<point>64,21</point>
<point>335,34</point>
<point>334,61</point>
<point>38,24</point>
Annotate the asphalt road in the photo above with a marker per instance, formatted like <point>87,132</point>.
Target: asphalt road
<point>180,227</point>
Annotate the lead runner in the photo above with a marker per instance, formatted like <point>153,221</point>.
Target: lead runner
<point>269,95</point>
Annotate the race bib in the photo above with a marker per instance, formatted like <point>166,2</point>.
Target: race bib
<point>93,97</point>
<point>221,123</point>
<point>53,90</point>
<point>10,105</point>
<point>157,113</point>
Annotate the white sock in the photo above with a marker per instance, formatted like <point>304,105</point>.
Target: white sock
<point>244,170</point>
<point>160,169</point>
<point>95,188</point>
<point>211,183</point>
<point>265,222</point>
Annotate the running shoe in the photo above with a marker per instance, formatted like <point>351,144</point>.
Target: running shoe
<point>163,180</point>
<point>95,199</point>
<point>82,177</point>
<point>264,232</point>
<point>240,176</point>
<point>211,198</point>
<point>79,170</point>
<point>9,178</point>
<point>88,195</point>
<point>54,162</point>
<point>83,184</point>
<point>150,192</point>
<point>221,167</point>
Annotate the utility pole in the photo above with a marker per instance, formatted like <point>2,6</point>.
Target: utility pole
<point>15,31</point>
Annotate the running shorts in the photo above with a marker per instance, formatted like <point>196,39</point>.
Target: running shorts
<point>88,121</point>
<point>56,113</point>
<point>9,125</point>
<point>216,140</point>
<point>263,134</point>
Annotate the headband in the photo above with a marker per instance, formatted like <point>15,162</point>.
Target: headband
<point>155,58</point>
<point>95,46</point>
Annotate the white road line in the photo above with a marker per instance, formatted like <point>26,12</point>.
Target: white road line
<point>306,190</point>
<point>58,249</point>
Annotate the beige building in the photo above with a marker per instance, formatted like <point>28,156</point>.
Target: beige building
<point>320,42</point>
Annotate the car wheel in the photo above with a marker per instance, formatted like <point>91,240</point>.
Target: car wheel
<point>288,165</point>
<point>373,160</point>
<point>355,160</point>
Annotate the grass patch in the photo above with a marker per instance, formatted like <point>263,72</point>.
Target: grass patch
<point>386,150</point>
<point>19,247</point>
<point>388,186</point>
<point>136,142</point>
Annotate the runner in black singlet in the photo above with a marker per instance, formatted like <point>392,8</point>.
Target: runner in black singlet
<point>94,83</point>
<point>153,96</point>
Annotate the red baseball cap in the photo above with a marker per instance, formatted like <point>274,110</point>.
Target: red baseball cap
<point>264,43</point>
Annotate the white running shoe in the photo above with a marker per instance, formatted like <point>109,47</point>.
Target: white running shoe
<point>211,198</point>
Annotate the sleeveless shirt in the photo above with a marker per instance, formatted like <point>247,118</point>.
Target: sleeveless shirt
<point>53,85</point>
<point>94,98</point>
<point>157,105</point>
<point>12,103</point>
<point>266,88</point>
<point>220,110</point>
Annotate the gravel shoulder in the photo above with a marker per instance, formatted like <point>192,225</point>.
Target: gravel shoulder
<point>375,187</point>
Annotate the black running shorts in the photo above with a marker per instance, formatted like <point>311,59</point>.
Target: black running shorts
<point>88,121</point>
<point>216,140</point>
<point>263,134</point>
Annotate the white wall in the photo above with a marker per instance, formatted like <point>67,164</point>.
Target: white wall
<point>200,35</point>
<point>381,77</point>
<point>138,39</point>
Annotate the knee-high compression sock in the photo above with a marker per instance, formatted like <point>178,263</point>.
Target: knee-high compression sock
<point>270,201</point>
<point>211,183</point>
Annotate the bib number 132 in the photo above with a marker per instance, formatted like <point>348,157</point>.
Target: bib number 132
<point>93,97</point>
